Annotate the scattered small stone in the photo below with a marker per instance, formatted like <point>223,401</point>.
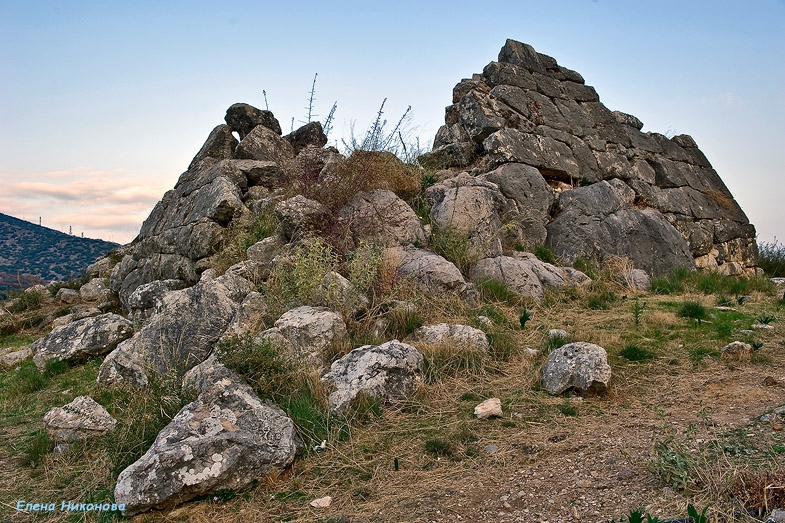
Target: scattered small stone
<point>737,348</point>
<point>762,326</point>
<point>745,299</point>
<point>530,352</point>
<point>765,418</point>
<point>485,321</point>
<point>491,449</point>
<point>66,295</point>
<point>9,359</point>
<point>60,448</point>
<point>778,281</point>
<point>324,502</point>
<point>81,419</point>
<point>488,409</point>
<point>777,428</point>
<point>558,333</point>
<point>776,516</point>
<point>746,332</point>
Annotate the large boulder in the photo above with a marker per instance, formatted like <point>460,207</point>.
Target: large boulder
<point>471,209</point>
<point>311,332</point>
<point>531,193</point>
<point>180,335</point>
<point>388,373</point>
<point>148,298</point>
<point>81,419</point>
<point>226,439</point>
<point>580,365</point>
<point>82,339</point>
<point>299,216</point>
<point>382,216</point>
<point>242,118</point>
<point>598,220</point>
<point>432,273</point>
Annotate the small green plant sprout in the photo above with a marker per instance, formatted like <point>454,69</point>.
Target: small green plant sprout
<point>766,319</point>
<point>524,317</point>
<point>756,345</point>
<point>692,513</point>
<point>427,180</point>
<point>637,311</point>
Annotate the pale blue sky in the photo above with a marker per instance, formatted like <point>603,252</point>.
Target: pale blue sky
<point>103,104</point>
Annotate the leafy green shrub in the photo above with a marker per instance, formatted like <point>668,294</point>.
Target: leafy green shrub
<point>262,365</point>
<point>502,343</point>
<point>72,283</point>
<point>295,281</point>
<point>601,298</point>
<point>26,301</point>
<point>524,317</point>
<point>634,352</point>
<point>771,258</point>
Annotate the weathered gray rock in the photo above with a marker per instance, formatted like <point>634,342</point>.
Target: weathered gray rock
<point>472,209</point>
<point>596,221</point>
<point>261,143</point>
<point>266,249</point>
<point>515,273</point>
<point>11,358</point>
<point>79,314</point>
<point>737,349</point>
<point>459,336</point>
<point>242,118</point>
<point>533,196</point>
<point>94,290</point>
<point>249,318</point>
<point>81,419</point>
<point>67,295</point>
<point>299,216</point>
<point>526,109</point>
<point>309,134</point>
<point>82,339</point>
<point>179,336</point>
<point>225,439</point>
<point>220,145</point>
<point>389,373</point>
<point>101,268</point>
<point>382,216</point>
<point>431,272</point>
<point>579,365</point>
<point>148,298</point>
<point>309,332</point>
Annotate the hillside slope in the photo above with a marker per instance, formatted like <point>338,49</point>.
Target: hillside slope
<point>28,251</point>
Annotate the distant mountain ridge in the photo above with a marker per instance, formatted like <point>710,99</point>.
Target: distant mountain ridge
<point>30,253</point>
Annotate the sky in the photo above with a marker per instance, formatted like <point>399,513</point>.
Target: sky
<point>104,104</point>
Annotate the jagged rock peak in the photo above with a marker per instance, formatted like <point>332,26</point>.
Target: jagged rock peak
<point>668,207</point>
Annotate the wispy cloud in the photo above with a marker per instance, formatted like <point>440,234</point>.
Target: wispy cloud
<point>110,205</point>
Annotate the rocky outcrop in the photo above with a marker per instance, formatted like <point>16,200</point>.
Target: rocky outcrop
<point>225,439</point>
<point>180,335</point>
<point>388,373</point>
<point>82,339</point>
<point>524,274</point>
<point>432,273</point>
<point>527,113</point>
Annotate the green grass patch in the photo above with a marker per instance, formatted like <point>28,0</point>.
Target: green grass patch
<point>496,291</point>
<point>634,352</point>
<point>693,310</point>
